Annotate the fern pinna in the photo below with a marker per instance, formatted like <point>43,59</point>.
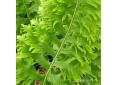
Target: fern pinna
<point>61,45</point>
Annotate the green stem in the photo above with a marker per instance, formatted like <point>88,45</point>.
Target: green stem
<point>61,44</point>
<point>26,10</point>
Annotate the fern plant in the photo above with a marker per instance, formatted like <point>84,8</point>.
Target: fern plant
<point>68,31</point>
<point>25,11</point>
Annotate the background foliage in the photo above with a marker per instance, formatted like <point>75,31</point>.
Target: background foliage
<point>69,31</point>
<point>25,11</point>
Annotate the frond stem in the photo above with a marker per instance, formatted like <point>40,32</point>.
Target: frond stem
<point>63,41</point>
